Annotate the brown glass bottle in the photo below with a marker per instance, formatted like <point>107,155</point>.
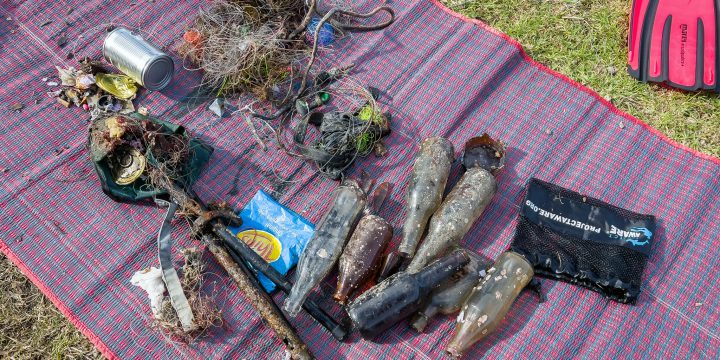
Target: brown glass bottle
<point>401,294</point>
<point>362,254</point>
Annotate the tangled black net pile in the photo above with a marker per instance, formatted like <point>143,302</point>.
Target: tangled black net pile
<point>344,136</point>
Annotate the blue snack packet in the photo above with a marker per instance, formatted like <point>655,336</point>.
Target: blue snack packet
<point>276,233</point>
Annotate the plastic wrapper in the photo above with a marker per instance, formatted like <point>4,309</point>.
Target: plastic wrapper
<point>274,232</point>
<point>121,86</point>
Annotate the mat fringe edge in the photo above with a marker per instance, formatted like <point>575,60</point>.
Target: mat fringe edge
<point>94,339</point>
<point>576,84</point>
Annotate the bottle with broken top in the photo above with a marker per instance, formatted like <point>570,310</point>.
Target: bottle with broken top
<point>450,296</point>
<point>326,244</point>
<point>400,295</point>
<point>490,301</point>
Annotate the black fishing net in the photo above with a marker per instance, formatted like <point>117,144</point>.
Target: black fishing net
<point>344,136</point>
<point>584,241</point>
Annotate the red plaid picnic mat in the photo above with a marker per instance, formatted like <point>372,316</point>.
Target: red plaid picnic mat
<point>443,75</point>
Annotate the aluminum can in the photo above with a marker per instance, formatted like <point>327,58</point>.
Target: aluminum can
<point>137,58</point>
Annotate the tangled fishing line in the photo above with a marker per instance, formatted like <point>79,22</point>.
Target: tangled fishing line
<point>343,135</point>
<point>205,312</point>
<point>253,46</point>
<point>242,46</point>
<point>150,157</point>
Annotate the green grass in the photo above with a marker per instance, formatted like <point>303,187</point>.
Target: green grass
<point>31,327</point>
<point>586,40</point>
<point>582,39</point>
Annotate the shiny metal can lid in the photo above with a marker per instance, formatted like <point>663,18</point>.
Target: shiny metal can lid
<point>126,165</point>
<point>158,73</point>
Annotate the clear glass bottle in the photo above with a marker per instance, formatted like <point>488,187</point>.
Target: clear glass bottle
<point>324,248</point>
<point>490,301</point>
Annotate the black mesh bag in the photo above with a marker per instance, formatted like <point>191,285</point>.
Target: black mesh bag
<point>584,241</point>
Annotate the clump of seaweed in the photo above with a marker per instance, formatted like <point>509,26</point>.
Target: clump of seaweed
<point>244,45</point>
<point>206,313</point>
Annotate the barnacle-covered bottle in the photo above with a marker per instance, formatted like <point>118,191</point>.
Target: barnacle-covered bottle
<point>326,244</point>
<point>456,215</point>
<point>424,193</point>
<point>450,296</point>
<point>490,301</point>
<point>362,254</point>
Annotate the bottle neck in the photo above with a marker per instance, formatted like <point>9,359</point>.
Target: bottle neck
<point>435,273</point>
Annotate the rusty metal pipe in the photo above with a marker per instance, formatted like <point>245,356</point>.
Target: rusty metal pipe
<point>262,303</point>
<point>252,259</point>
<point>259,299</point>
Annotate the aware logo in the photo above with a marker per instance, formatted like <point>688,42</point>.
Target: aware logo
<point>633,236</point>
<point>263,243</point>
